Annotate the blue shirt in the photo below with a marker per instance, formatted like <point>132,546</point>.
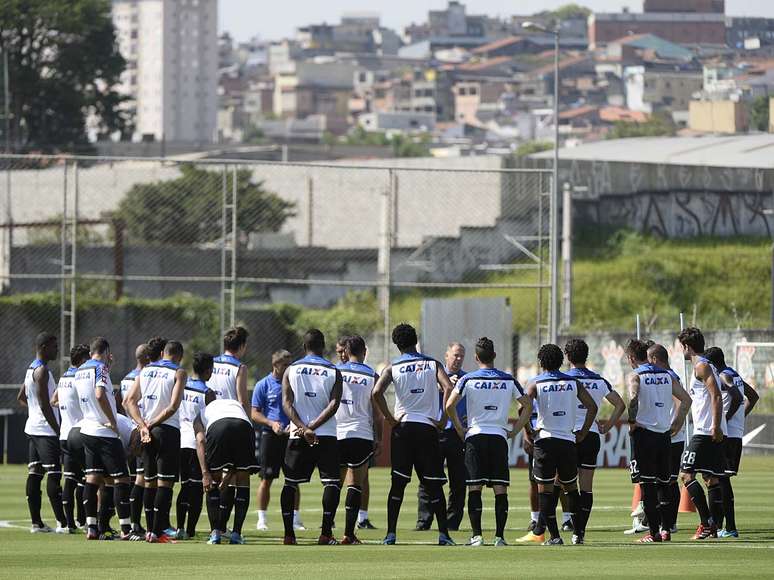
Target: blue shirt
<point>462,405</point>
<point>267,398</point>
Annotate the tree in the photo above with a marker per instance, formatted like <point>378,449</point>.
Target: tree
<point>188,210</point>
<point>64,66</point>
<point>570,11</point>
<point>660,124</point>
<point>532,147</point>
<point>759,114</point>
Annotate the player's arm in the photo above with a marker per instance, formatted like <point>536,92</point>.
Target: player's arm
<point>119,401</point>
<point>684,402</point>
<point>736,397</point>
<point>21,396</point>
<point>633,386</point>
<point>131,405</point>
<point>55,398</point>
<point>332,406</point>
<point>288,402</point>
<point>377,396</point>
<point>102,395</point>
<point>591,411</point>
<point>41,385</point>
<point>529,433</point>
<point>619,407</point>
<point>525,408</point>
<point>704,373</point>
<point>177,396</point>
<point>201,452</point>
<point>451,408</point>
<point>241,385</point>
<point>378,426</point>
<point>257,413</point>
<point>752,398</point>
<point>445,386</point>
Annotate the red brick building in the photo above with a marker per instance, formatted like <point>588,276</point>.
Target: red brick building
<point>677,27</point>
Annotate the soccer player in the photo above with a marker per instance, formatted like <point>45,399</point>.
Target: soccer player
<point>577,353</point>
<point>658,356</point>
<point>268,414</point>
<point>105,457</point>
<point>705,452</point>
<point>227,455</point>
<point>190,496</point>
<point>42,429</point>
<point>229,375</point>
<point>66,399</point>
<point>311,394</point>
<point>415,426</point>
<point>651,427</point>
<point>529,448</point>
<point>735,391</point>
<point>142,358</point>
<point>452,450</point>
<point>356,428</point>
<point>489,393</point>
<point>160,387</point>
<point>555,439</point>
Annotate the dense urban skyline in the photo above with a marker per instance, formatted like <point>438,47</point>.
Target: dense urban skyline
<point>244,20</point>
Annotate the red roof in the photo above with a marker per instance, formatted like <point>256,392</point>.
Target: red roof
<point>613,114</point>
<point>567,62</point>
<point>579,112</point>
<point>501,43</point>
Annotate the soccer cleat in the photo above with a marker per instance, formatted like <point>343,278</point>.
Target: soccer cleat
<point>531,526</point>
<point>181,534</point>
<point>107,536</point>
<point>637,528</point>
<point>214,539</point>
<point>499,542</point>
<point>135,537</point>
<point>421,527</point>
<point>139,530</point>
<point>324,540</point>
<point>72,531</point>
<point>649,539</point>
<point>366,525</point>
<point>531,538</point>
<point>236,539</point>
<point>390,540</point>
<point>350,541</point>
<point>171,532</point>
<point>289,541</point>
<point>703,532</point>
<point>444,540</point>
<point>92,534</point>
<point>261,526</point>
<point>62,530</point>
<point>666,536</point>
<point>298,525</point>
<point>40,529</point>
<point>728,534</point>
<point>475,541</point>
<point>577,540</point>
<point>152,538</point>
<point>554,542</point>
<point>567,526</point>
<point>673,530</point>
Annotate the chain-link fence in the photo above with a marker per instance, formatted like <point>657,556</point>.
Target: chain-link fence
<point>130,248</point>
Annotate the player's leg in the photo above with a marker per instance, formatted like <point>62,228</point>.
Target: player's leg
<point>241,504</point>
<point>454,452</point>
<point>586,501</point>
<point>326,458</point>
<point>168,467</point>
<point>244,461</point>
<point>500,478</point>
<point>272,454</point>
<point>51,460</point>
<point>213,504</point>
<point>533,495</point>
<point>676,453</point>
<point>114,460</point>
<point>402,461</point>
<point>94,471</point>
<point>694,461</point>
<point>32,489</point>
<point>297,467</point>
<point>106,497</point>
<point>733,450</point>
<point>353,480</point>
<point>428,463</point>
<point>714,498</point>
<point>567,473</point>
<point>182,502</point>
<point>195,495</point>
<point>150,479</point>
<point>475,462</point>
<point>71,474</point>
<point>362,515</point>
<point>424,513</point>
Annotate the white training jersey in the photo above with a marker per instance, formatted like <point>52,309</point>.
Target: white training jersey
<point>654,411</point>
<point>125,428</point>
<point>89,377</point>
<point>701,410</point>
<point>223,409</point>
<point>488,393</point>
<point>127,383</point>
<point>69,405</point>
<point>36,423</point>
<point>557,404</point>
<point>157,381</point>
<point>191,406</point>
<point>223,381</point>
<point>736,422</point>
<point>416,388</point>
<point>681,435</point>
<point>597,387</point>
<point>311,380</point>
<point>355,415</point>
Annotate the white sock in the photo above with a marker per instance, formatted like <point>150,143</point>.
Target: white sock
<point>296,516</point>
<point>262,516</point>
<point>566,517</point>
<point>362,515</point>
<point>534,516</point>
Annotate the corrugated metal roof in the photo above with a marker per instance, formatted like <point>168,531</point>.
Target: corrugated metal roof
<point>753,151</point>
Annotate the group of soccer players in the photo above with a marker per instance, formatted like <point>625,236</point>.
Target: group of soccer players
<point>124,449</point>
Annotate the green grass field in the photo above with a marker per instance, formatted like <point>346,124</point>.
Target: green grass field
<point>608,553</point>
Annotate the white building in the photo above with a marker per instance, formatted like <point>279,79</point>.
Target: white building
<point>171,49</point>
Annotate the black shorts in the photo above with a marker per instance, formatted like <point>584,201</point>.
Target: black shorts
<point>705,456</point>
<point>486,460</point>
<point>554,457</point>
<point>650,456</point>
<point>588,451</point>
<point>732,446</point>
<point>190,470</point>
<point>161,457</point>
<point>355,452</point>
<point>44,451</point>
<point>104,456</point>
<point>74,455</point>
<point>231,445</point>
<point>272,453</point>
<point>301,459</point>
<point>135,466</point>
<point>675,457</point>
<point>416,446</point>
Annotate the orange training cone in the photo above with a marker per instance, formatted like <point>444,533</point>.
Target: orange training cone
<point>686,505</point>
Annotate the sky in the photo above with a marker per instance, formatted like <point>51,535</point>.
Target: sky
<point>246,18</point>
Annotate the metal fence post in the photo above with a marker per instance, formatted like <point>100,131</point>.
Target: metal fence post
<point>309,211</point>
<point>62,273</point>
<point>234,245</point>
<point>223,234</point>
<point>384,266</point>
<point>567,257</point>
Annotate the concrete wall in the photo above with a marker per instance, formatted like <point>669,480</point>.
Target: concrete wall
<point>718,116</point>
